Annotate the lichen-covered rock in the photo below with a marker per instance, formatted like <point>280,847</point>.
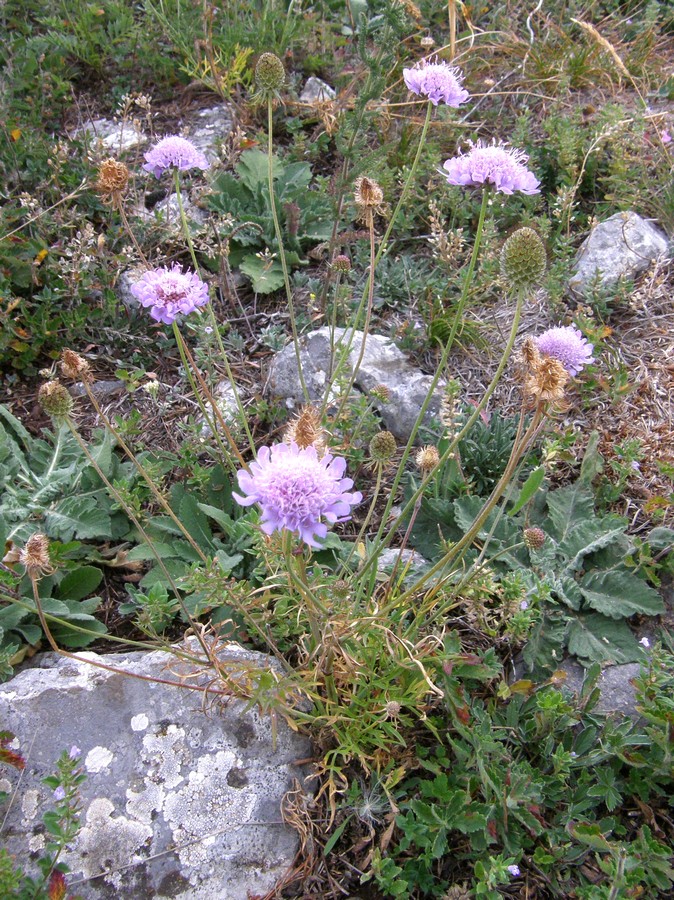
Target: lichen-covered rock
<point>184,790</point>
<point>316,90</point>
<point>114,136</point>
<point>622,246</point>
<point>383,364</point>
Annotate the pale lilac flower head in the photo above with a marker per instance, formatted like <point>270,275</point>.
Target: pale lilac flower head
<point>437,81</point>
<point>75,752</point>
<point>296,489</point>
<point>514,870</point>
<point>665,136</point>
<point>173,152</point>
<point>568,345</point>
<point>59,793</point>
<point>170,292</point>
<point>495,164</point>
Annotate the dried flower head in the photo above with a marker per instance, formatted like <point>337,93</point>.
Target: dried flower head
<point>55,400</point>
<point>568,345</point>
<point>269,74</point>
<point>494,164</point>
<point>113,177</point>
<point>437,81</point>
<point>341,589</point>
<point>368,194</point>
<point>392,709</point>
<point>458,892</point>
<point>341,263</point>
<point>306,430</point>
<point>383,447</point>
<point>170,292</point>
<point>547,380</point>
<point>427,459</point>
<point>296,489</point>
<point>534,538</point>
<point>530,353</point>
<point>174,152</point>
<point>75,366</point>
<point>35,556</point>
<point>523,260</point>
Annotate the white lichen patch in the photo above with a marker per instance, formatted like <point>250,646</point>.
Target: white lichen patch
<point>98,758</point>
<point>36,843</point>
<point>142,804</point>
<point>5,786</point>
<point>108,844</point>
<point>29,806</point>
<point>205,808</point>
<point>139,722</point>
<point>165,754</point>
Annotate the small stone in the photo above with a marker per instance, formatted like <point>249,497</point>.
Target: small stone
<point>316,90</point>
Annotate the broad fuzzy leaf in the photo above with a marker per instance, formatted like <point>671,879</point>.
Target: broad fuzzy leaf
<point>80,517</point>
<point>567,507</point>
<point>596,638</point>
<point>588,536</point>
<point>80,583</point>
<point>619,593</point>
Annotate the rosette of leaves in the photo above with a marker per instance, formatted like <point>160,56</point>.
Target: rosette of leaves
<point>305,215</point>
<point>48,485</point>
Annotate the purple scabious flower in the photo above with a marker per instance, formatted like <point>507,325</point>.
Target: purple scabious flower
<point>175,152</point>
<point>493,164</point>
<point>437,81</point>
<point>567,345</point>
<point>170,292</point>
<point>296,488</point>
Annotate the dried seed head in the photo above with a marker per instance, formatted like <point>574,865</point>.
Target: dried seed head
<point>368,194</point>
<point>523,261</point>
<point>35,556</point>
<point>427,42</point>
<point>306,431</point>
<point>530,353</point>
<point>55,400</point>
<point>427,459</point>
<point>341,263</point>
<point>392,709</point>
<point>534,538</point>
<point>547,380</point>
<point>383,447</point>
<point>341,589</point>
<point>458,892</point>
<point>270,75</point>
<point>381,392</point>
<point>113,177</point>
<point>75,366</point>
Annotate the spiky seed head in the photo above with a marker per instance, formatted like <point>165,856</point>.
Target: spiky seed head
<point>547,380</point>
<point>381,392</point>
<point>534,538</point>
<point>530,353</point>
<point>392,709</point>
<point>458,892</point>
<point>427,459</point>
<point>523,260</point>
<point>75,366</point>
<point>368,194</point>
<point>306,431</point>
<point>270,75</point>
<point>383,447</point>
<point>35,555</point>
<point>55,400</point>
<point>113,177</point>
<point>341,263</point>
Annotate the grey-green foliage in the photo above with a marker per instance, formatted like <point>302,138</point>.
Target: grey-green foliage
<point>305,215</point>
<point>48,485</point>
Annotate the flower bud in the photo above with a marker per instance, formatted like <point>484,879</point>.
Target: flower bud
<point>55,400</point>
<point>269,73</point>
<point>427,459</point>
<point>534,538</point>
<point>341,263</point>
<point>383,447</point>
<point>523,260</point>
<point>381,392</point>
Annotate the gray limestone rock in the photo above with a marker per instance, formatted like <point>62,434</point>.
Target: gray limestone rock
<point>184,790</point>
<point>622,246</point>
<point>617,693</point>
<point>316,90</point>
<point>209,128</point>
<point>383,364</point>
<point>114,136</point>
<point>168,212</point>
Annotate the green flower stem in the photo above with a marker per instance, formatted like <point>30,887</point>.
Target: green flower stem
<point>298,581</point>
<point>282,255</point>
<point>380,542</point>
<point>211,312</point>
<point>366,522</point>
<point>191,369</point>
<point>366,299</point>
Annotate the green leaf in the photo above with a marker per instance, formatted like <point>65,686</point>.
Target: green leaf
<point>596,638</point>
<point>590,835</point>
<point>593,461</point>
<point>80,583</point>
<point>80,517</point>
<point>223,520</point>
<point>529,488</point>
<point>266,275</point>
<point>195,522</point>
<point>567,507</point>
<point>619,593</point>
<point>661,538</point>
<point>253,168</point>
